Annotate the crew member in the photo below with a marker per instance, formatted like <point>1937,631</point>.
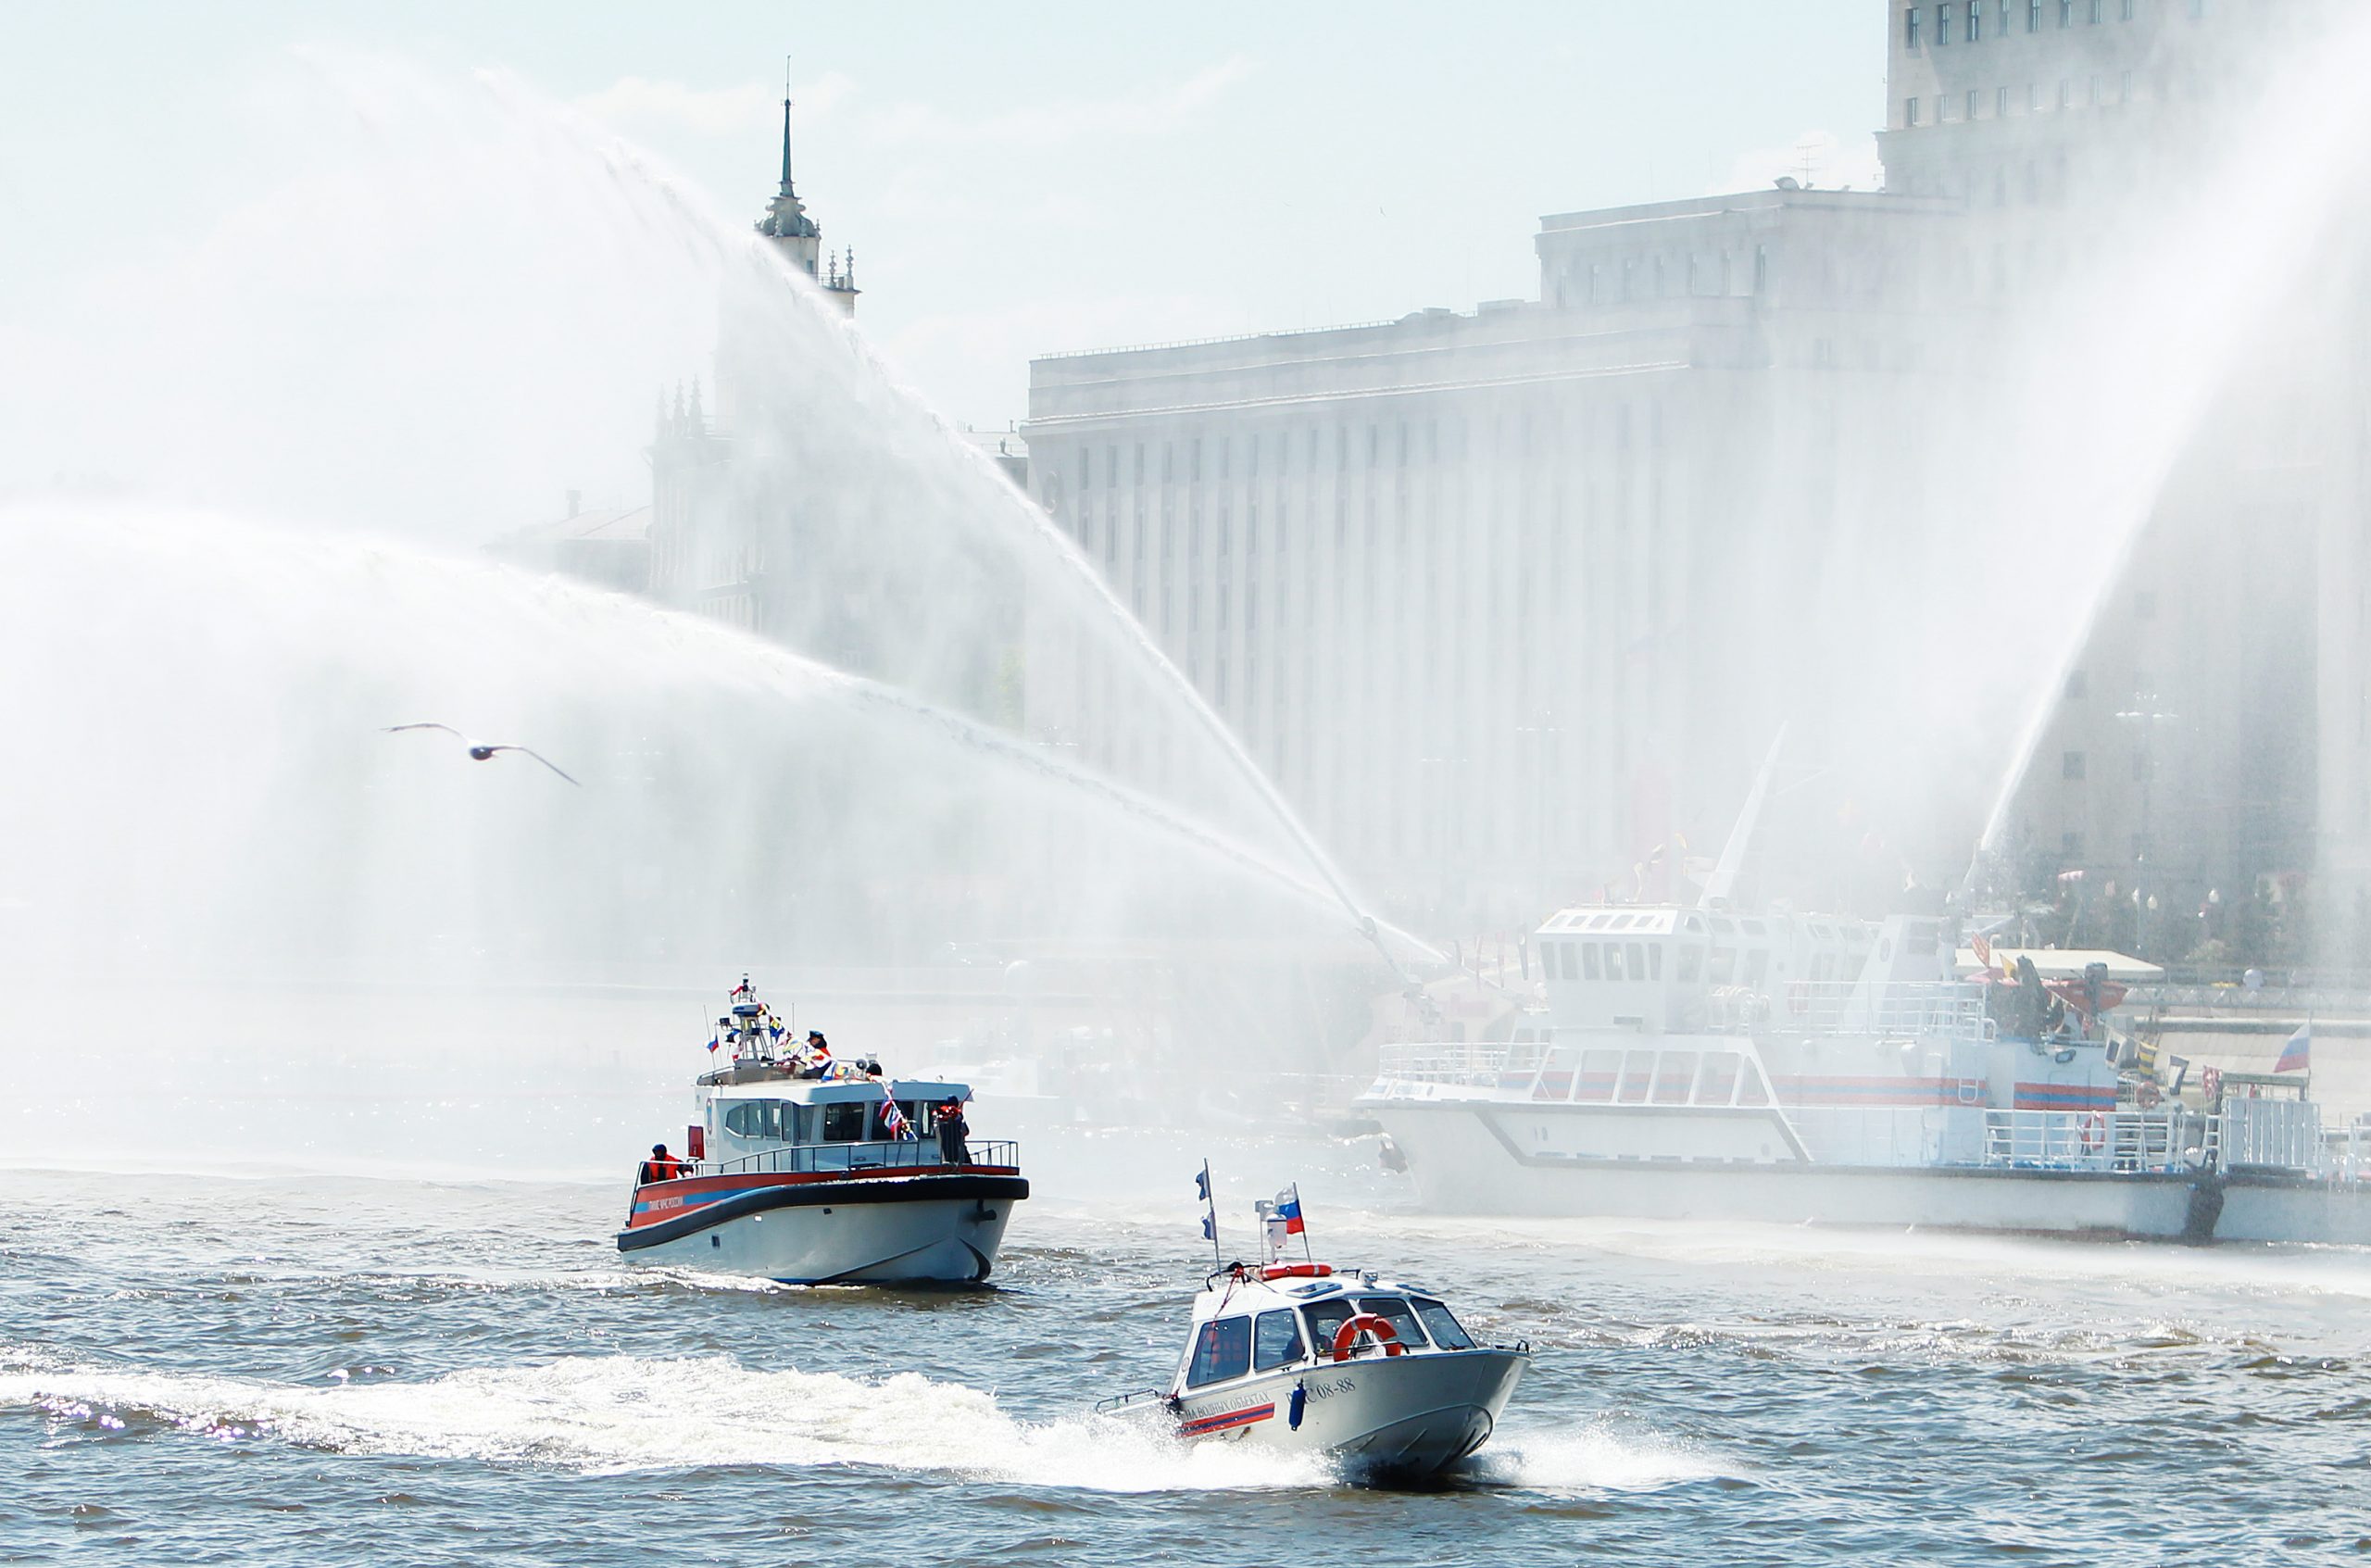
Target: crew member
<point>952,1131</point>
<point>818,1055</point>
<point>662,1166</point>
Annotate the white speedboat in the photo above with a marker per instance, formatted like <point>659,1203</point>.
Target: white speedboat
<point>1373,1373</point>
<point>812,1171</point>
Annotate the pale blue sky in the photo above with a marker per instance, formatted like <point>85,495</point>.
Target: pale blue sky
<point>1014,179</point>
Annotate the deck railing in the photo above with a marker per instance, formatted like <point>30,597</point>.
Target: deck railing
<point>901,1154</point>
<point>2170,1141</point>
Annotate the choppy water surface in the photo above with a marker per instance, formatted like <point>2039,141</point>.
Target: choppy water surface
<point>340,1369</point>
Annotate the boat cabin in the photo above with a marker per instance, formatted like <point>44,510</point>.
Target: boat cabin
<point>778,1121</point>
<point>1259,1321</point>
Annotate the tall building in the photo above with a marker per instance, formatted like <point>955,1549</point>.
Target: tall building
<point>714,529</point>
<point>1508,602</point>
<point>1448,576</point>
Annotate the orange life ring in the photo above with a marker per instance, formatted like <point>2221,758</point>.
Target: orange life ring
<point>1346,1339</point>
<point>2095,1132</point>
<point>1297,1271</point>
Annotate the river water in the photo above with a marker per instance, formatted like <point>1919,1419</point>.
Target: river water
<point>307,1366</point>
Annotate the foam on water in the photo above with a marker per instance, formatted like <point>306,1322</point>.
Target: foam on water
<point>619,1414</point>
<point>614,1414</point>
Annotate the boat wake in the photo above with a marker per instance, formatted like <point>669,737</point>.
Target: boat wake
<point>619,1414</point>
<point>624,1414</point>
<point>1595,1459</point>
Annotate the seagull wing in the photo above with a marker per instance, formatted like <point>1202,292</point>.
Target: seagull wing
<point>397,729</point>
<point>540,757</point>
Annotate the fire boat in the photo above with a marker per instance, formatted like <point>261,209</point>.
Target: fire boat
<point>809,1170</point>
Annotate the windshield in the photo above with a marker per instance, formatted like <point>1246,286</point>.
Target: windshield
<point>1448,1333</point>
<point>1395,1311</point>
<point>1324,1319</point>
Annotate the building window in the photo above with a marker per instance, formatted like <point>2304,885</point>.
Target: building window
<point>1942,25</point>
<point>2123,91</point>
<point>2066,13</point>
<point>2001,104</point>
<point>2078,684</point>
<point>1971,103</point>
<point>1974,21</point>
<point>1910,111</point>
<point>2033,98</point>
<point>1910,28</point>
<point>2065,92</point>
<point>2033,16</point>
<point>2094,14</point>
<point>2124,11</point>
<point>2070,766</point>
<point>2095,90</point>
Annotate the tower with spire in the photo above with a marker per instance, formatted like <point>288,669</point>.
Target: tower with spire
<point>800,238</point>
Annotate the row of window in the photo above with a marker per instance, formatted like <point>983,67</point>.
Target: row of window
<point>2004,101</point>
<point>1231,1347</point>
<point>786,1121</point>
<point>1969,16</point>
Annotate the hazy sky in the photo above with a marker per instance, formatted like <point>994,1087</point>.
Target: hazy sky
<point>1014,179</point>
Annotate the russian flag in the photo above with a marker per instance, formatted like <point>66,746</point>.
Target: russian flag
<point>1288,1210</point>
<point>2297,1056</point>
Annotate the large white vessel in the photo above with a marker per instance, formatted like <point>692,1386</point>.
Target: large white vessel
<point>1699,1063</point>
<point>815,1171</point>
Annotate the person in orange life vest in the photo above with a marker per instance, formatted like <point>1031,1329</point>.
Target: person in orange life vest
<point>662,1166</point>
<point>952,1130</point>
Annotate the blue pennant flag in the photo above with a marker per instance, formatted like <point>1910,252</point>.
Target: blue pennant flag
<point>1202,1183</point>
<point>1209,1227</point>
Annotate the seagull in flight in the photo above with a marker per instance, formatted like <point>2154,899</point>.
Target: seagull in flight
<point>479,753</point>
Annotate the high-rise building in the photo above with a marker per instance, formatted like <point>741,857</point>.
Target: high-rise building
<point>1509,602</point>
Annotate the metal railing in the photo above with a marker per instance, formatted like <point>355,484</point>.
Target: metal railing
<point>2126,1141</point>
<point>900,1154</point>
<point>1845,1008</point>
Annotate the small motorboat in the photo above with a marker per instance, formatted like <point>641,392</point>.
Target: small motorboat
<point>1373,1373</point>
<point>812,1171</point>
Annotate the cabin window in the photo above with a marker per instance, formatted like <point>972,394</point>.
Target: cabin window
<point>913,1113</point>
<point>1719,1083</point>
<point>1551,960</point>
<point>1589,959</point>
<point>1276,1340</point>
<point>1674,1074</point>
<point>1599,1071</point>
<point>1223,1350</point>
<point>1326,1320</point>
<point>1752,1090</point>
<point>1448,1333</point>
<point>1395,1311</point>
<point>1637,1069</point>
<point>1724,966</point>
<point>1655,959</point>
<point>1691,965</point>
<point>1613,961</point>
<point>1572,959</point>
<point>843,1120</point>
<point>760,1119</point>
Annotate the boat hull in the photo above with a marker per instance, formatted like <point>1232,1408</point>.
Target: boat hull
<point>1476,1159</point>
<point>1379,1417</point>
<point>940,1228</point>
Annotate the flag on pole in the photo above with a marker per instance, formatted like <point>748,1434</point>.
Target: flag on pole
<point>1209,1227</point>
<point>1202,1183</point>
<point>2297,1056</point>
<point>713,1042</point>
<point>1982,947</point>
<point>1288,1209</point>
